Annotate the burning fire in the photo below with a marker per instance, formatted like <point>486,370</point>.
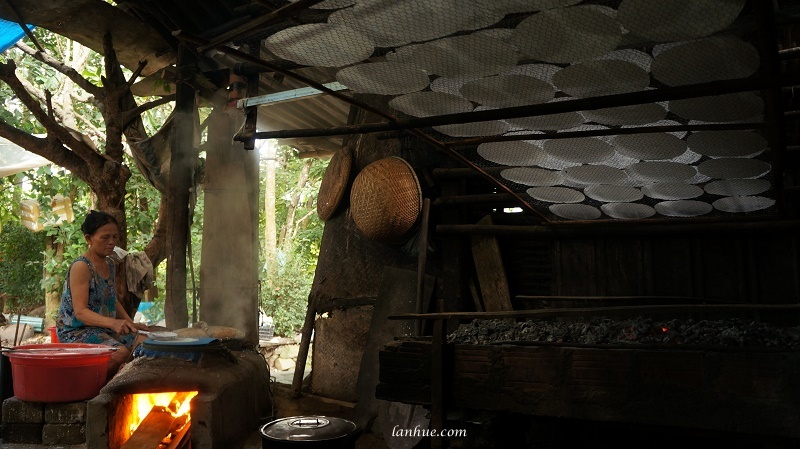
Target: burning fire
<point>176,403</point>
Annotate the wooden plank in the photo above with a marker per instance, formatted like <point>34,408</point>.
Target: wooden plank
<point>775,261</point>
<point>672,266</point>
<point>491,273</point>
<point>621,267</point>
<point>151,431</point>
<point>181,438</point>
<point>577,271</point>
<point>721,262</point>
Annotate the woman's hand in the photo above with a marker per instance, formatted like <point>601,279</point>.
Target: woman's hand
<point>123,327</point>
<point>141,326</point>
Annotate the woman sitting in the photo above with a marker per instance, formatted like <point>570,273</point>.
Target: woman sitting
<point>90,311</point>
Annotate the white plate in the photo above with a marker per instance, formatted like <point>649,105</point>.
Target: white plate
<point>649,172</point>
<point>637,114</point>
<point>535,177</point>
<point>571,34</point>
<point>672,191</point>
<point>586,175</point>
<point>321,44</point>
<point>737,187</point>
<point>612,193</point>
<point>581,149</point>
<point>650,146</point>
<point>391,23</point>
<point>683,208</point>
<point>476,129</point>
<point>383,78</point>
<point>743,203</point>
<point>505,91</point>
<point>556,194</point>
<point>518,153</point>
<point>575,211</point>
<point>461,56</point>
<point>734,168</point>
<point>552,122</point>
<point>721,108</point>
<point>601,77</point>
<point>426,104</point>
<point>713,59</point>
<point>672,20</point>
<point>627,211</point>
<point>732,143</point>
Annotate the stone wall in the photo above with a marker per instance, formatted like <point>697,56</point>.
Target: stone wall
<point>282,355</point>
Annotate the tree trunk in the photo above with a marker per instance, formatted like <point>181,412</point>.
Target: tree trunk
<point>270,231</point>
<point>52,297</point>
<point>183,161</point>
<point>288,232</point>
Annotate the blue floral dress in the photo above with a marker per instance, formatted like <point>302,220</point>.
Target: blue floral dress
<point>102,300</point>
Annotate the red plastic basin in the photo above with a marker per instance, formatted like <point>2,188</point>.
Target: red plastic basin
<point>58,376</point>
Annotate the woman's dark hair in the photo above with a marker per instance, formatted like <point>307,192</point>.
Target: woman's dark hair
<point>96,219</point>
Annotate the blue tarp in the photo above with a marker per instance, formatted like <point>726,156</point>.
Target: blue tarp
<point>10,33</point>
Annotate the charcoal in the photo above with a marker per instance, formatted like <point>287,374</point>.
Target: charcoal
<point>734,332</point>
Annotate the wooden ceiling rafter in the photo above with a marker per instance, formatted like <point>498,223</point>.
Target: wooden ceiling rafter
<point>275,16</point>
<point>581,104</point>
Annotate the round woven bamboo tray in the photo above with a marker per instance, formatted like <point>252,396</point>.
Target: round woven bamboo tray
<point>334,183</point>
<point>386,200</point>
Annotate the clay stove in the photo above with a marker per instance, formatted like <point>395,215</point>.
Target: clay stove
<point>227,392</point>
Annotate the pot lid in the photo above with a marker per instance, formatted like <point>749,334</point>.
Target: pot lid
<point>307,428</point>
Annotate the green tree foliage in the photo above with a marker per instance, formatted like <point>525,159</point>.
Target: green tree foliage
<point>284,296</point>
<point>21,266</point>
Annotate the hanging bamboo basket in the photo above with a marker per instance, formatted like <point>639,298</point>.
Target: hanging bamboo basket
<point>334,183</point>
<point>386,200</point>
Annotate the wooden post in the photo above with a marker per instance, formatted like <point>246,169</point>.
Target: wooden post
<point>302,352</point>
<point>491,273</point>
<point>422,259</point>
<point>438,406</point>
<point>183,161</point>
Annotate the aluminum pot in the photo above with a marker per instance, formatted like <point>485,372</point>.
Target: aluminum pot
<point>309,432</point>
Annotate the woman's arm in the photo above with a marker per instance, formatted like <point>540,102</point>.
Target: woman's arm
<point>122,313</point>
<point>79,276</point>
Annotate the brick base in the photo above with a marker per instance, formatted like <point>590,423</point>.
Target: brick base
<point>22,433</point>
<point>63,434</point>
<point>37,423</point>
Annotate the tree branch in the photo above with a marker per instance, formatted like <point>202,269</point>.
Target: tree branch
<point>53,150</point>
<point>8,74</point>
<point>130,115</point>
<point>63,68</point>
<point>40,97</point>
<point>95,130</point>
<point>133,77</point>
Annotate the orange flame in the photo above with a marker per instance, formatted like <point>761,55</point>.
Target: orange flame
<point>664,329</point>
<point>144,402</point>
